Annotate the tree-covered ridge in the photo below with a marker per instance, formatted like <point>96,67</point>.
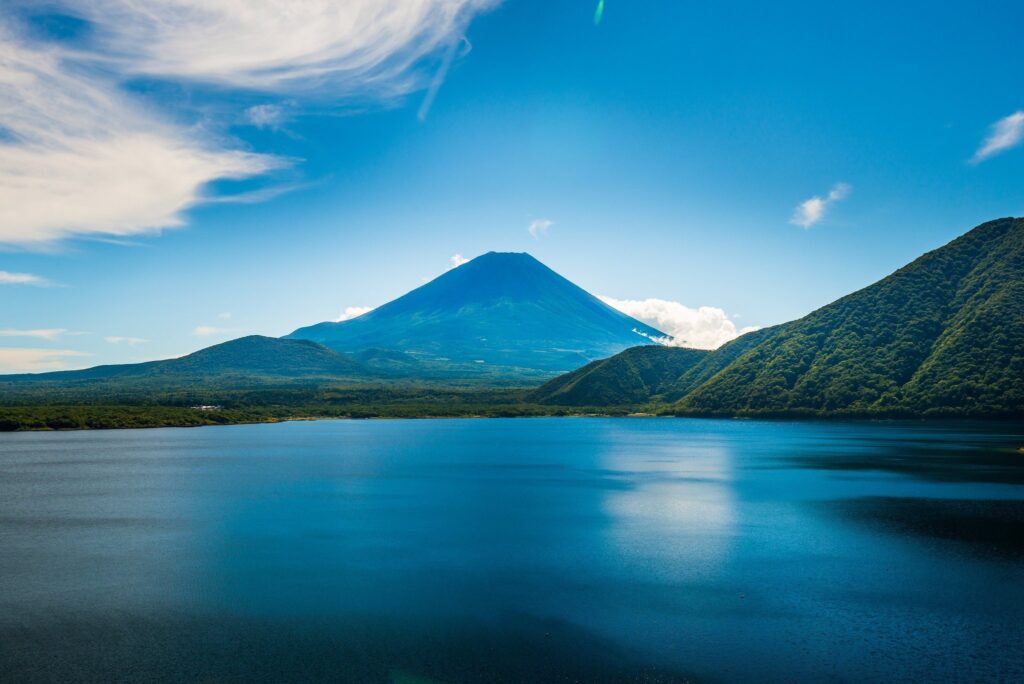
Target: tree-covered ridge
<point>711,364</point>
<point>943,335</point>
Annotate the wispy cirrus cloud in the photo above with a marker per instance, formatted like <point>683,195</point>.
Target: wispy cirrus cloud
<point>1004,134</point>
<point>812,211</point>
<point>82,158</point>
<point>39,333</point>
<point>80,155</point>
<point>324,48</point>
<point>706,327</point>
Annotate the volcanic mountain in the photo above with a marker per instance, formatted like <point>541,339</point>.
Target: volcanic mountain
<point>500,309</point>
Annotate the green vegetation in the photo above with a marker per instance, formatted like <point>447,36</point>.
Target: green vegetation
<point>106,405</point>
<point>631,377</point>
<point>943,336</point>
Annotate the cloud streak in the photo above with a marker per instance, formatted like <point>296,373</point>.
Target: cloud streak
<point>49,334</point>
<point>8,278</point>
<point>321,48</point>
<point>705,327</point>
<point>812,211</point>
<point>80,156</point>
<point>1004,134</point>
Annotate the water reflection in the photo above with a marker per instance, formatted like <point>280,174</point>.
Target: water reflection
<point>524,550</point>
<point>676,519</point>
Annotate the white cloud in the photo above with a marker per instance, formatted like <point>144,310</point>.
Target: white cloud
<point>456,260</point>
<point>335,49</point>
<point>813,210</point>
<point>539,227</point>
<point>210,331</point>
<point>266,115</point>
<point>24,360</point>
<point>705,327</point>
<point>225,316</point>
<point>130,341</point>
<point>1006,133</point>
<point>40,333</point>
<point>8,278</point>
<point>353,312</point>
<point>79,156</point>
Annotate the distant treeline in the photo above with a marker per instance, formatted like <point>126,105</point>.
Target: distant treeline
<point>98,409</point>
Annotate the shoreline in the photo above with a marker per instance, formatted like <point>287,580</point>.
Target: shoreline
<point>57,422</point>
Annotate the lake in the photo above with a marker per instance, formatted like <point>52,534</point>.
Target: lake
<point>551,549</point>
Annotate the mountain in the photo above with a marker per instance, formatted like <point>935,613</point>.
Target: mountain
<point>943,335</point>
<point>500,309</point>
<point>254,356</point>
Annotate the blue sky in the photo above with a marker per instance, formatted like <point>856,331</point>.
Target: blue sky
<point>757,159</point>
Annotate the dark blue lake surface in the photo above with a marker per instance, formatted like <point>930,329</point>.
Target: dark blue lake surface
<point>514,550</point>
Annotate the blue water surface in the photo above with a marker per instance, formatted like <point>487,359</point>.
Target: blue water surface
<point>551,549</point>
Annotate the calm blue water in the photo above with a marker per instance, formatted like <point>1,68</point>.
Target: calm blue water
<point>514,550</point>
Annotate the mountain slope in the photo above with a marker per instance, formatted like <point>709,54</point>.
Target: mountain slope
<point>252,356</point>
<point>630,377</point>
<point>943,335</point>
<point>712,363</point>
<point>502,309</point>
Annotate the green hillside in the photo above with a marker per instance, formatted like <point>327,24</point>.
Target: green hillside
<point>942,336</point>
<point>711,364</point>
<point>631,377</point>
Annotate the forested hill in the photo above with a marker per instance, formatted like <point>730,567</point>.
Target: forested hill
<point>631,377</point>
<point>252,356</point>
<point>943,335</point>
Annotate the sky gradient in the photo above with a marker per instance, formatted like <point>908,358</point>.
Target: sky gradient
<point>759,160</point>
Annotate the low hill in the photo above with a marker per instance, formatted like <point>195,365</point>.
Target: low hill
<point>500,309</point>
<point>633,376</point>
<point>254,356</point>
